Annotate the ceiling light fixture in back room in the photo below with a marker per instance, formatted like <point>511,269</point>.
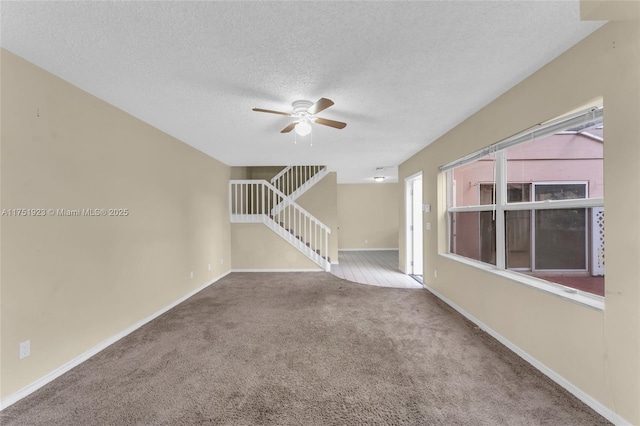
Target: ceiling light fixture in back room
<point>379,173</point>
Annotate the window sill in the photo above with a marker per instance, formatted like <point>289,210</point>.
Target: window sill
<point>567,293</point>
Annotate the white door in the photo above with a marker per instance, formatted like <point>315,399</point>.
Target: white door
<point>414,259</point>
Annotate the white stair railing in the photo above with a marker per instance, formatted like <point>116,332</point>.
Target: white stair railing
<point>254,201</point>
<point>294,180</point>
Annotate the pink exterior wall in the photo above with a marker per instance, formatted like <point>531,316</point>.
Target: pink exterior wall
<point>556,158</point>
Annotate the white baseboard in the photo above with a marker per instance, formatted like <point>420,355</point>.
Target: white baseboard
<point>278,270</point>
<point>581,395</point>
<point>596,405</point>
<point>369,249</point>
<point>12,399</point>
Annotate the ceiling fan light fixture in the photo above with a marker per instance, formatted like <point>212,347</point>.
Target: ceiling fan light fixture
<point>303,128</point>
<point>379,178</point>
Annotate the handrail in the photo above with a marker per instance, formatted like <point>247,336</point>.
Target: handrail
<point>283,171</point>
<point>254,201</point>
<point>285,199</point>
<point>292,178</point>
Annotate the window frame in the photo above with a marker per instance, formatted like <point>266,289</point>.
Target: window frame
<point>586,218</point>
<point>501,206</point>
<point>532,229</point>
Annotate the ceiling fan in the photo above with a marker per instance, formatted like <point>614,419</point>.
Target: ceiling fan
<point>304,113</point>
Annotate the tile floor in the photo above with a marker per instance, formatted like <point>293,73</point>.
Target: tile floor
<point>378,267</point>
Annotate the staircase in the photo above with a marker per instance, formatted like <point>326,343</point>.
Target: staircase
<point>259,201</point>
<point>294,181</point>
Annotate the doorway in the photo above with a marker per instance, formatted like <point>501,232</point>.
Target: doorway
<point>413,209</point>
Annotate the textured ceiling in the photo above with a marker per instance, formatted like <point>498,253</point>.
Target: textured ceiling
<point>401,74</point>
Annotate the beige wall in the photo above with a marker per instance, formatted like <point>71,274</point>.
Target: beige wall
<point>69,283</point>
<point>239,173</point>
<point>368,216</point>
<point>254,246</point>
<point>257,172</point>
<point>263,172</point>
<point>322,202</point>
<point>610,10</point>
<point>599,352</point>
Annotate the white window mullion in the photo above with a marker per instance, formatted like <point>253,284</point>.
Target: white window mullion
<point>501,201</point>
<point>575,203</point>
<point>480,208</point>
<point>449,191</point>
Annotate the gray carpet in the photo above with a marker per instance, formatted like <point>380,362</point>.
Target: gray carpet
<point>304,349</point>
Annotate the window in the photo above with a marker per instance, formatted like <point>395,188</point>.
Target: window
<point>533,204</point>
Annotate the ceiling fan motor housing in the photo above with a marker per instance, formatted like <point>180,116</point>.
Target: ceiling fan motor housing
<point>300,108</point>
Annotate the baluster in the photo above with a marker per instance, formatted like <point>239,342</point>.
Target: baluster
<point>242,200</point>
<point>326,245</point>
<point>230,200</point>
<point>235,198</point>
<point>289,220</point>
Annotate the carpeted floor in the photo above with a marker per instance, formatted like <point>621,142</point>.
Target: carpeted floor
<point>304,349</point>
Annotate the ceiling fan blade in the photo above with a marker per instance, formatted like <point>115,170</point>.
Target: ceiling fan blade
<point>331,123</point>
<point>271,111</point>
<point>289,127</point>
<point>321,105</point>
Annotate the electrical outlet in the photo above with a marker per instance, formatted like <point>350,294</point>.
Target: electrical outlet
<point>435,273</point>
<point>222,261</point>
<point>191,274</point>
<point>209,267</point>
<point>366,241</point>
<point>25,349</point>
